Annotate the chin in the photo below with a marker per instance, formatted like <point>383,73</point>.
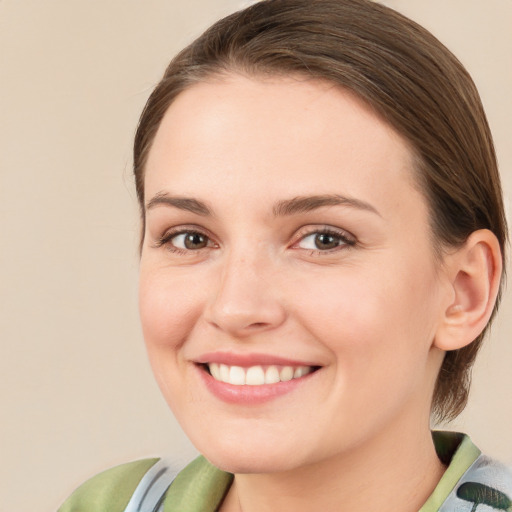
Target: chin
<point>251,462</point>
<point>256,457</point>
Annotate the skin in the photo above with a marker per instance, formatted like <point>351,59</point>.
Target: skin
<point>368,312</point>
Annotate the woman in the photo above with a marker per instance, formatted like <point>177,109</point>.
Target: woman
<point>321,255</point>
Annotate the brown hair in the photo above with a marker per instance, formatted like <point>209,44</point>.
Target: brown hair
<point>409,78</point>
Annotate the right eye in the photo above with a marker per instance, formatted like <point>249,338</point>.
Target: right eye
<point>189,240</point>
<point>185,241</point>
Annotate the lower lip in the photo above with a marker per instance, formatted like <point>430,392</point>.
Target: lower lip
<point>250,395</point>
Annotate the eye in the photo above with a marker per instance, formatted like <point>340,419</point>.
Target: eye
<point>184,241</point>
<point>191,241</point>
<point>324,240</point>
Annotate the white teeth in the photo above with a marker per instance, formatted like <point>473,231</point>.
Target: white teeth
<point>286,373</point>
<point>237,376</point>
<point>256,375</point>
<point>215,371</point>
<point>299,372</point>
<point>224,373</point>
<point>272,375</point>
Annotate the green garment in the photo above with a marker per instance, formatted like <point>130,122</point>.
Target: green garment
<point>458,453</point>
<point>109,491</point>
<point>201,487</point>
<point>198,487</point>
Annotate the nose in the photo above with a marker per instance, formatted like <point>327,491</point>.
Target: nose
<point>246,299</point>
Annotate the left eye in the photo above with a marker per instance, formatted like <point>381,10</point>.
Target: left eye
<point>190,241</point>
<point>321,241</point>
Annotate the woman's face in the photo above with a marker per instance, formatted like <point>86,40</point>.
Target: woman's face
<point>287,247</point>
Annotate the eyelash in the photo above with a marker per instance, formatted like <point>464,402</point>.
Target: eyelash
<point>346,240</point>
<point>165,240</point>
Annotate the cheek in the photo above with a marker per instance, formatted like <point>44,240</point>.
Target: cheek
<point>346,306</point>
<point>372,318</point>
<point>168,307</point>
<point>378,330</point>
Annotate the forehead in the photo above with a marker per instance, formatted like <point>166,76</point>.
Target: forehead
<point>293,135</point>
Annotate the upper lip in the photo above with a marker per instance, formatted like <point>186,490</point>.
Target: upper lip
<point>247,360</point>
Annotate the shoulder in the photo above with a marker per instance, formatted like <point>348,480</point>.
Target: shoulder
<point>487,481</point>
<point>145,484</point>
<point>471,478</point>
<point>199,487</point>
<point>110,490</point>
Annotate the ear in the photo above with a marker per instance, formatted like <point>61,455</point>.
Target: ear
<point>474,272</point>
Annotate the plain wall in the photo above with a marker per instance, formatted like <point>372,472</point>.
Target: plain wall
<point>77,392</point>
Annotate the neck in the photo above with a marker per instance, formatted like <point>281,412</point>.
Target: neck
<point>393,473</point>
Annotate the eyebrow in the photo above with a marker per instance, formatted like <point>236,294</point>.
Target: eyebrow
<point>182,203</point>
<point>301,204</point>
<point>308,203</point>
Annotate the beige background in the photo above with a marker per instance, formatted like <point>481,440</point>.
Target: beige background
<point>76,392</point>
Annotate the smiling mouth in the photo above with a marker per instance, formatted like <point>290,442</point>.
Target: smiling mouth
<point>256,375</point>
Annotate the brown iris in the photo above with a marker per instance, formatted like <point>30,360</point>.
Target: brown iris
<point>195,241</point>
<point>326,241</point>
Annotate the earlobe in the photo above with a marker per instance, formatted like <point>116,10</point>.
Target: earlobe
<point>474,271</point>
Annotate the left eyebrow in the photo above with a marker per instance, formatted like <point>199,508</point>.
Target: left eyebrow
<point>308,203</point>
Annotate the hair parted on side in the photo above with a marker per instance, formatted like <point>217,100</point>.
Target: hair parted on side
<point>410,80</point>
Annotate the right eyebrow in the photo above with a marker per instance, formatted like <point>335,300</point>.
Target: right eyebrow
<point>182,203</point>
